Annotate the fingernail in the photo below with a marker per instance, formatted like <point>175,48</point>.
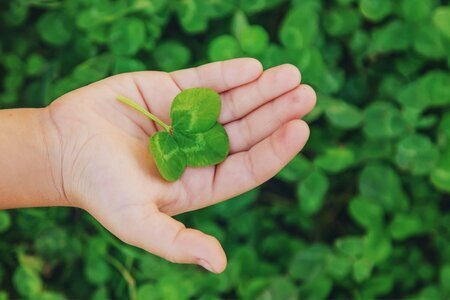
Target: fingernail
<point>205,265</point>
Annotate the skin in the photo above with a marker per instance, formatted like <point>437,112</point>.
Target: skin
<point>88,150</point>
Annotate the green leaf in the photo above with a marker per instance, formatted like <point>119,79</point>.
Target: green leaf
<point>253,287</point>
<point>297,169</point>
<point>125,64</point>
<point>338,266</point>
<point>292,33</point>
<point>444,127</point>
<point>359,43</point>
<point>245,225</point>
<point>48,295</point>
<point>171,56</point>
<point>195,110</point>
<point>239,23</point>
<point>429,42</point>
<point>97,270</point>
<point>383,184</point>
<point>343,115</point>
<point>127,36</point>
<point>351,246</point>
<point>224,47</point>
<point>35,64</point>
<point>367,213</point>
<point>92,69</point>
<point>445,278</point>
<point>12,62</point>
<point>192,15</point>
<point>51,242</point>
<point>34,263</point>
<point>100,294</point>
<point>237,205</point>
<point>362,268</point>
<point>308,262</point>
<point>373,149</point>
<point>311,192</point>
<point>430,292</point>
<point>5,221</point>
<point>216,9</point>
<point>168,156</point>
<point>100,13</point>
<point>247,256</point>
<point>274,55</point>
<point>441,19</point>
<point>408,66</point>
<point>341,21</point>
<point>375,10</point>
<point>417,154</point>
<point>279,288</point>
<point>405,225</point>
<point>27,282</point>
<point>204,148</point>
<point>386,39</point>
<point>148,291</point>
<point>427,122</point>
<point>416,10</point>
<point>253,40</point>
<point>335,160</point>
<point>252,6</point>
<point>377,246</point>
<point>54,28</point>
<point>440,175</point>
<point>430,90</point>
<point>377,286</point>
<point>316,289</point>
<point>382,120</point>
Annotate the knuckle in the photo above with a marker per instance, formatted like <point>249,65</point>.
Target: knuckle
<point>232,108</point>
<point>250,168</point>
<point>248,132</point>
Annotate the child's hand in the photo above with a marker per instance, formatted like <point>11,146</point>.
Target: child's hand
<point>105,166</point>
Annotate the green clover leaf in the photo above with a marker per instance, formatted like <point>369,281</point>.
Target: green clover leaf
<point>441,19</point>
<point>168,156</point>
<point>224,47</point>
<point>204,148</point>
<point>416,154</point>
<point>195,110</point>
<point>375,10</point>
<point>194,139</point>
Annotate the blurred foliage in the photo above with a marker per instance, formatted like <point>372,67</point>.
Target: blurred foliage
<point>363,212</point>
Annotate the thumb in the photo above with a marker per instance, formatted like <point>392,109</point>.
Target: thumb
<point>170,239</point>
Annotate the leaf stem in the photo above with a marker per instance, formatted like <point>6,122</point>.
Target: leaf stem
<point>131,282</point>
<point>142,110</point>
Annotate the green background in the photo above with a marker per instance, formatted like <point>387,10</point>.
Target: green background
<point>363,212</point>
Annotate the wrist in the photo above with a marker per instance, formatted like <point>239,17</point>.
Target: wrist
<point>28,160</point>
<point>51,153</point>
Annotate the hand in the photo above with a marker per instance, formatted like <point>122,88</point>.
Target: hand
<point>104,165</point>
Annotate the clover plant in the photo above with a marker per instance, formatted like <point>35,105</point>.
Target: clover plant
<point>194,138</point>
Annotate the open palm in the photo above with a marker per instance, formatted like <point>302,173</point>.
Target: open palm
<point>108,170</point>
